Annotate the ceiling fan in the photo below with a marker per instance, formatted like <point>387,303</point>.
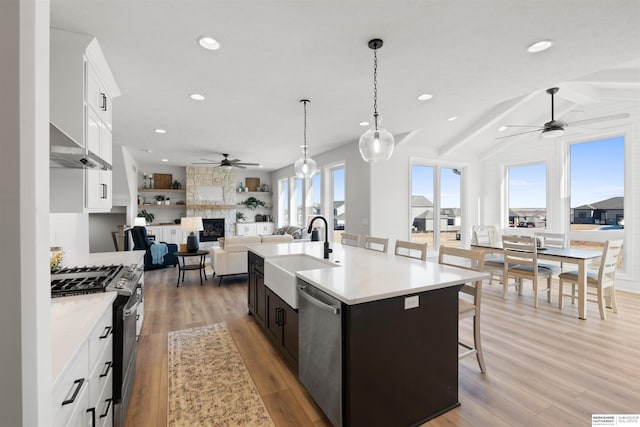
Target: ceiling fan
<point>555,128</point>
<point>226,164</point>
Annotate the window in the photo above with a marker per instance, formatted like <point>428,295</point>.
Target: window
<point>299,202</point>
<point>597,191</point>
<point>338,201</point>
<point>597,184</point>
<point>435,205</point>
<point>283,202</point>
<point>315,196</point>
<point>527,189</point>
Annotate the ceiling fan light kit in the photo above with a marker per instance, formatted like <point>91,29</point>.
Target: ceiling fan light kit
<point>305,167</point>
<point>376,143</point>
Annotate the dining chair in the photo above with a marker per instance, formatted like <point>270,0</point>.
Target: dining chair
<point>603,281</point>
<point>350,239</point>
<point>411,249</point>
<point>376,243</point>
<point>552,240</point>
<point>521,262</point>
<point>469,297</point>
<point>487,235</point>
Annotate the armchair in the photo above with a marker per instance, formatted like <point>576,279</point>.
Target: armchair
<point>142,242</point>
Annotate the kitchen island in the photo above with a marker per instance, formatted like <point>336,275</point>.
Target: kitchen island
<point>382,350</point>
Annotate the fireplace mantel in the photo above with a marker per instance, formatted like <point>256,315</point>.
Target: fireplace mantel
<point>199,206</point>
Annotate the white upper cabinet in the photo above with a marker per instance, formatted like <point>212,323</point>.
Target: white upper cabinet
<point>82,89</point>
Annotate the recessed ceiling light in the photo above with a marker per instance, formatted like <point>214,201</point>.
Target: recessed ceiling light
<point>452,118</point>
<point>164,160</point>
<point>196,97</point>
<point>364,123</point>
<point>148,150</point>
<point>425,96</point>
<point>160,131</point>
<point>502,129</point>
<point>540,46</point>
<point>209,43</point>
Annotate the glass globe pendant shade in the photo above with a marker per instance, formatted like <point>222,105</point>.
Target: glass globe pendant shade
<point>376,144</point>
<point>305,168</point>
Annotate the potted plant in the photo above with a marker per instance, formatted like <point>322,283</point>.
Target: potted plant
<point>252,203</point>
<point>240,217</point>
<point>148,216</point>
<point>159,198</point>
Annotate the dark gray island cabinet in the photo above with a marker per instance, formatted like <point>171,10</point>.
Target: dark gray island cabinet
<point>275,317</point>
<point>374,341</point>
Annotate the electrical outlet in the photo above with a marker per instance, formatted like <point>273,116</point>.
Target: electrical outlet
<point>412,302</point>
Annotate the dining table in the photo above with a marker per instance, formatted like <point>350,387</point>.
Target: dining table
<point>579,257</point>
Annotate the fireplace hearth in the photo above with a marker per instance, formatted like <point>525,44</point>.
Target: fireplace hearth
<point>213,229</point>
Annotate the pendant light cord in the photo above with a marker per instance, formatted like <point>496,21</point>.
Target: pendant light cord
<point>305,129</point>
<point>375,87</point>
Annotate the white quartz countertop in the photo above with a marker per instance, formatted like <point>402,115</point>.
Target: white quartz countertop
<point>72,320</point>
<point>365,275</point>
<point>104,258</point>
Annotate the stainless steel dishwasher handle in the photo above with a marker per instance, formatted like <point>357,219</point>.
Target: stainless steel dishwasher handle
<point>304,294</point>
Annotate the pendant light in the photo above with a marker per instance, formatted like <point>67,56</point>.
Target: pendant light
<point>376,143</point>
<point>305,167</point>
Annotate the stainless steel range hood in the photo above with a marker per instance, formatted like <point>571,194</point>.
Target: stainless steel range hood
<point>67,153</point>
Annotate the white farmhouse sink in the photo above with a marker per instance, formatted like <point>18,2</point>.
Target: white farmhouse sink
<point>280,274</point>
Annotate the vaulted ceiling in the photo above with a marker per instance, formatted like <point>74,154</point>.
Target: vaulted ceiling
<point>470,55</point>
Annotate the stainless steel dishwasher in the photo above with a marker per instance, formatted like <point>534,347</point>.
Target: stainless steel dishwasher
<point>320,349</point>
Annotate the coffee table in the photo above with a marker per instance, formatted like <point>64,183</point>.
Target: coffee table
<point>183,266</point>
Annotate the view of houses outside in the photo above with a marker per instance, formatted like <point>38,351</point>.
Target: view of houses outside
<point>337,179</point>
<point>424,205</point>
<point>597,184</point>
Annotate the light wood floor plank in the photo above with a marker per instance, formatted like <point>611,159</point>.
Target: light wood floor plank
<point>545,367</point>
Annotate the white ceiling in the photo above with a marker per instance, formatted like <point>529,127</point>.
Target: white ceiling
<point>471,55</point>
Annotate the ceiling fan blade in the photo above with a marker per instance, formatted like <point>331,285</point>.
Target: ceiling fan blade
<point>523,126</point>
<point>238,165</point>
<point>599,119</point>
<point>516,134</point>
<point>235,161</point>
<point>205,163</point>
<point>247,164</point>
<point>209,160</point>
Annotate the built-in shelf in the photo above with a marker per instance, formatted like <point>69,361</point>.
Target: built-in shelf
<point>252,193</point>
<point>159,190</point>
<point>163,206</point>
<point>190,206</point>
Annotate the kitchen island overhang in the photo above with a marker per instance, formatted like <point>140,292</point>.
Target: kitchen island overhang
<point>398,332</point>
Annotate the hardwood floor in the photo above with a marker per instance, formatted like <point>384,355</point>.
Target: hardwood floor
<point>545,367</point>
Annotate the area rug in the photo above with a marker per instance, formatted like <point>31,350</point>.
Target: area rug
<point>209,384</point>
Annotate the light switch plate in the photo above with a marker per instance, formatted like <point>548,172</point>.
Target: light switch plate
<point>411,302</point>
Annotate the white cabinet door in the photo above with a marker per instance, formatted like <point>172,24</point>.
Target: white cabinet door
<point>264,228</point>
<point>93,188</point>
<point>174,234</point>
<point>243,229</point>
<point>156,231</point>
<point>97,96</point>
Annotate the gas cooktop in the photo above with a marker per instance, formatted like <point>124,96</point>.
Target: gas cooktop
<point>92,279</point>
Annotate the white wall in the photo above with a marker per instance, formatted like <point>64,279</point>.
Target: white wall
<point>70,231</point>
<point>25,359</point>
<point>100,227</point>
<point>357,188</point>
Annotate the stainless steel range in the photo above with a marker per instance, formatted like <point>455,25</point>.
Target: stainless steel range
<point>128,282</point>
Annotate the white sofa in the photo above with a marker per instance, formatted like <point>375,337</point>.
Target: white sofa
<point>231,257</point>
